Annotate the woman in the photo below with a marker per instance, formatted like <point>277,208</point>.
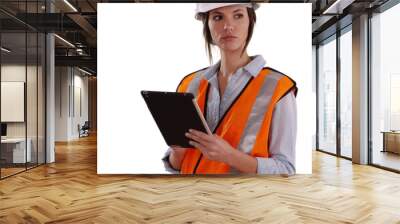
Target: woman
<point>251,109</point>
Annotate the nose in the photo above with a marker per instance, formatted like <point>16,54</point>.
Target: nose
<point>228,26</point>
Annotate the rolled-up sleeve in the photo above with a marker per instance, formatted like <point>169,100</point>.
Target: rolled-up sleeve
<point>167,164</point>
<point>282,139</point>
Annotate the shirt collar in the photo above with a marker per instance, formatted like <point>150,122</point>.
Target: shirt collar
<point>253,67</point>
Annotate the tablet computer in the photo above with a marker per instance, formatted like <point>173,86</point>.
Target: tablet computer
<point>175,113</point>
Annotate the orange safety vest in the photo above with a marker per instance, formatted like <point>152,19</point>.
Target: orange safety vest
<point>269,86</point>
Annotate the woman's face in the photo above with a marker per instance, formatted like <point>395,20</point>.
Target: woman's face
<point>229,27</point>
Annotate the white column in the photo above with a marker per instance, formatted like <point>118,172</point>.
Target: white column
<point>360,90</point>
<point>50,93</point>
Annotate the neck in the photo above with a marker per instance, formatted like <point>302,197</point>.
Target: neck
<point>231,61</point>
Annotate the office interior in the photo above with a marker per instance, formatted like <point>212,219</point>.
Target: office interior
<point>48,87</point>
<point>48,80</point>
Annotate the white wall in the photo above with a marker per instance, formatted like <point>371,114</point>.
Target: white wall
<point>62,81</point>
<point>68,81</point>
<point>81,83</point>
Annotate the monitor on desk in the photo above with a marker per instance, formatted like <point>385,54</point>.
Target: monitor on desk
<point>3,130</point>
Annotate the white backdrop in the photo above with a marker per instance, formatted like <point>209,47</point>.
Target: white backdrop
<point>152,46</point>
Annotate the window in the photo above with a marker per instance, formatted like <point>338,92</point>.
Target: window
<point>346,93</point>
<point>385,88</point>
<point>327,96</point>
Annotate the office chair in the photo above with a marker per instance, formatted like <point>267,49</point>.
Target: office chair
<point>84,130</point>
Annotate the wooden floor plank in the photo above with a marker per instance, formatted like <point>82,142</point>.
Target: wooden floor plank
<point>70,191</point>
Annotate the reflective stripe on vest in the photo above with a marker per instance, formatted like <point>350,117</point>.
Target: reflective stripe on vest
<point>245,125</point>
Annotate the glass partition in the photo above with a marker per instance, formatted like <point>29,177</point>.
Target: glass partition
<point>32,95</point>
<point>327,96</point>
<point>13,103</point>
<point>34,51</point>
<point>22,77</point>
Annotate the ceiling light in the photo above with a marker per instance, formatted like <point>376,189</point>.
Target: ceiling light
<point>65,41</point>
<point>84,71</point>
<point>70,5</point>
<point>79,51</point>
<point>5,50</point>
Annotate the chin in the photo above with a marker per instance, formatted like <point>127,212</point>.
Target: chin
<point>230,47</point>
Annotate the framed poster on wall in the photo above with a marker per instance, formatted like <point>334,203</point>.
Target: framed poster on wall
<point>12,101</point>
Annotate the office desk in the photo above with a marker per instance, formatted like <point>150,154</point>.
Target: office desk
<point>391,141</point>
<point>13,150</point>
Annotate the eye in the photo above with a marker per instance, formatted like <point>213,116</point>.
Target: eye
<point>217,17</point>
<point>238,16</point>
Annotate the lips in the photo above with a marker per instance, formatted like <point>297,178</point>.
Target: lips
<point>228,37</point>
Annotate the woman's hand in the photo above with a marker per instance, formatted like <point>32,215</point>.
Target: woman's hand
<point>216,148</point>
<point>176,156</point>
<point>213,147</point>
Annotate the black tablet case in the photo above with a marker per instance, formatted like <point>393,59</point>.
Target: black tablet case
<point>174,114</point>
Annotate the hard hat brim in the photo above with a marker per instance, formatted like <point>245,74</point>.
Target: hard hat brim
<point>206,7</point>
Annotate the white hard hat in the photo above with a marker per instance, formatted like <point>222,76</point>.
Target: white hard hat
<point>205,7</point>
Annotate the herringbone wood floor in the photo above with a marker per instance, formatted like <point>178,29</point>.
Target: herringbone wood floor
<point>70,191</point>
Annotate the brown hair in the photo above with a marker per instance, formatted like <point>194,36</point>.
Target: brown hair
<point>207,34</point>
